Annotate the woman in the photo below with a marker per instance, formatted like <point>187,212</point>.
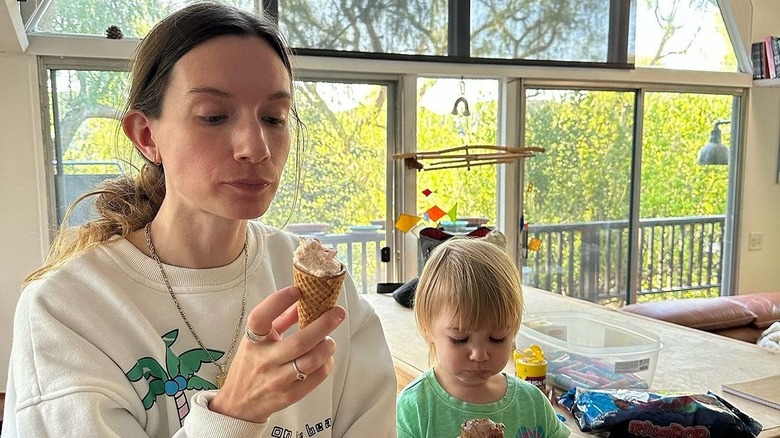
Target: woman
<point>135,326</point>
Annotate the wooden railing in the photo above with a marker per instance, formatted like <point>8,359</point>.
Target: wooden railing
<point>360,252</point>
<point>590,260</point>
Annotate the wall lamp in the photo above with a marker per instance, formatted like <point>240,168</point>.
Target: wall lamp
<point>714,152</point>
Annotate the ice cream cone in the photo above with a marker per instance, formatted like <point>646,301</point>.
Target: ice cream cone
<point>318,293</point>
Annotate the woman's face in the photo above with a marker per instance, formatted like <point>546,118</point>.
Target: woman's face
<point>224,132</point>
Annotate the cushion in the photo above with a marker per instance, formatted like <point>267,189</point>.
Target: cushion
<point>701,313</point>
<point>765,305</point>
<point>746,333</point>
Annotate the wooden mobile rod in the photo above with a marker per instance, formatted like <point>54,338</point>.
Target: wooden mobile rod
<point>466,156</point>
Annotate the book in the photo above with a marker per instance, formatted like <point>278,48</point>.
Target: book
<point>758,57</point>
<point>776,52</point>
<point>765,390</point>
<point>770,58</point>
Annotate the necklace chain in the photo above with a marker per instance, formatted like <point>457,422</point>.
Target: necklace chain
<point>223,366</point>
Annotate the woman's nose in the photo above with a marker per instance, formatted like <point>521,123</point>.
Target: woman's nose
<point>252,145</point>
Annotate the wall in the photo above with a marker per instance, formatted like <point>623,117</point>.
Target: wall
<point>758,271</point>
<point>23,235</point>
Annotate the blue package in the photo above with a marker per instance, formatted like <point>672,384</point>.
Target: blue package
<point>634,413</point>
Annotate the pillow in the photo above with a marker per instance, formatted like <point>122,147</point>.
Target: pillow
<point>765,305</point>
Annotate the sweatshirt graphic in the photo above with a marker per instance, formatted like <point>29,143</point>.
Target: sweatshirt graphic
<point>176,376</point>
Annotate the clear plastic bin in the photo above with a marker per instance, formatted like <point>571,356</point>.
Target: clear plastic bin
<point>591,353</point>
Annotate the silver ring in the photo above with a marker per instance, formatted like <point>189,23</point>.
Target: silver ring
<point>298,374</point>
<point>254,337</point>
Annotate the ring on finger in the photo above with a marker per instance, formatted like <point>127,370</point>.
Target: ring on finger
<point>298,374</point>
<point>254,337</point>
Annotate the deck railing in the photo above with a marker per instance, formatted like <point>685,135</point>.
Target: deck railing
<point>360,252</point>
<point>588,260</point>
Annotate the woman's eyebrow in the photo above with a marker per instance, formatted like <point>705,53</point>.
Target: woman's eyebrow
<point>210,90</point>
<point>282,94</point>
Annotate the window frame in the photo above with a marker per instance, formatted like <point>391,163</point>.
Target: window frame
<point>102,54</point>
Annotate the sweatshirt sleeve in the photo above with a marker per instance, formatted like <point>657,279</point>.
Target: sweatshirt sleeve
<point>63,382</point>
<point>201,422</point>
<point>367,405</point>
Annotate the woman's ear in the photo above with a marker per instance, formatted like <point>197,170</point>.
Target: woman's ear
<point>138,129</point>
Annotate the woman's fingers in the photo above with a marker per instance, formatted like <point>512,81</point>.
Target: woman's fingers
<point>262,379</point>
<point>260,320</point>
<point>314,360</point>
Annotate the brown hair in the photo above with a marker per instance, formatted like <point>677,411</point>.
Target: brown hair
<point>475,279</point>
<point>126,204</point>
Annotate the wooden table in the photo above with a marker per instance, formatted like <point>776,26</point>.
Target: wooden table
<point>690,360</point>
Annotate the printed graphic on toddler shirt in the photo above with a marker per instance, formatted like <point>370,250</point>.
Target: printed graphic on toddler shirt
<point>177,376</point>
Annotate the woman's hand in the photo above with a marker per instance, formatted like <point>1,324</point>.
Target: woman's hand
<point>262,379</point>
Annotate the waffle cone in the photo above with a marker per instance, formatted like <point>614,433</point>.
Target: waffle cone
<point>318,294</point>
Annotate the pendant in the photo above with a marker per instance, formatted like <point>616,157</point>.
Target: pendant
<point>221,377</point>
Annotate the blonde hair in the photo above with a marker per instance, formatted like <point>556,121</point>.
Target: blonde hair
<point>474,279</point>
<point>126,204</point>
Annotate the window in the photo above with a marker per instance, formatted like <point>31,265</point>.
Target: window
<point>579,194</point>
<point>343,197</point>
<point>468,192</point>
<point>682,35</point>
<point>85,134</point>
<point>683,204</point>
<point>361,26</point>
<point>564,30</point>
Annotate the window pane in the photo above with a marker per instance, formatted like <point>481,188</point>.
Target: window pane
<point>92,17</point>
<point>394,26</point>
<point>683,35</point>
<point>471,192</point>
<point>342,190</point>
<point>530,29</point>
<point>85,133</point>
<point>683,203</point>
<point>577,195</point>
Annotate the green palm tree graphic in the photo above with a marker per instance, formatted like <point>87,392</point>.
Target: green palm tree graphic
<point>178,375</point>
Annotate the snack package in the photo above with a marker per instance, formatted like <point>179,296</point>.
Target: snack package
<point>636,413</point>
<point>481,428</point>
<point>319,276</point>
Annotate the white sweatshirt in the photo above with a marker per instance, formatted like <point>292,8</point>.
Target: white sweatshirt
<point>99,350</point>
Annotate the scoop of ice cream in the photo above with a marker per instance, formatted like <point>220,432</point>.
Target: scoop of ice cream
<point>318,260</point>
<point>481,428</point>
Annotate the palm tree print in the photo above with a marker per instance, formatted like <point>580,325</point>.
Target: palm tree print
<point>177,376</point>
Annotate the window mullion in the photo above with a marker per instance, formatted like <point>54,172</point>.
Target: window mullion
<point>459,28</point>
<point>619,23</point>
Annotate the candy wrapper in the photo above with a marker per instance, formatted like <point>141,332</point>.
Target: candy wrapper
<point>634,413</point>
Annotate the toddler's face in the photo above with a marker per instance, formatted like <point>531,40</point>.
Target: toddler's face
<point>469,358</point>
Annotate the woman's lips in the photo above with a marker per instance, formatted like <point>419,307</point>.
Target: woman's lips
<point>252,185</point>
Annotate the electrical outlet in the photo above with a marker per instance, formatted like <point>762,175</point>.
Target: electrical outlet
<point>756,241</point>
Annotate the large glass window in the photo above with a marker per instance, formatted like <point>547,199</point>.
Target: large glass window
<point>682,35</point>
<point>577,194</point>
<point>684,195</point>
<point>342,198</point>
<point>452,113</point>
<point>530,29</point>
<point>342,194</point>
<point>417,27</point>
<point>88,144</point>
